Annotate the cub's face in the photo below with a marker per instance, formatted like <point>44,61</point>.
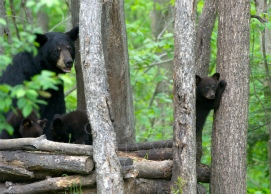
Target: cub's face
<point>30,128</point>
<point>57,50</point>
<point>207,86</point>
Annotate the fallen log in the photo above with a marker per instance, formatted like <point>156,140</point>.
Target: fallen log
<point>152,186</point>
<point>14,171</point>
<point>41,161</point>
<point>86,183</point>
<point>163,170</point>
<point>145,145</point>
<point>154,169</point>
<point>50,184</point>
<point>151,154</point>
<point>42,144</point>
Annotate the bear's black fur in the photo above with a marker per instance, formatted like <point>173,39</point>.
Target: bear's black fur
<point>30,126</point>
<point>55,53</point>
<point>72,127</point>
<point>209,92</point>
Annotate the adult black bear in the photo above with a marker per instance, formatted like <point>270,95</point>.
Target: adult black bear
<point>31,126</point>
<point>209,92</point>
<point>55,53</point>
<point>72,127</point>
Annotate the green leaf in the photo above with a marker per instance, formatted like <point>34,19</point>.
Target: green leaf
<point>268,25</point>
<point>27,109</point>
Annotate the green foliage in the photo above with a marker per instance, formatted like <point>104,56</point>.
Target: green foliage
<point>26,95</point>
<point>151,76</point>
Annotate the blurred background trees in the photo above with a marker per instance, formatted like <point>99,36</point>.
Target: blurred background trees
<point>149,26</point>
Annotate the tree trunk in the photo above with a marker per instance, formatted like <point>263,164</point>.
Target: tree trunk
<point>203,38</point>
<point>262,8</point>
<point>81,101</point>
<point>184,144</point>
<point>117,66</point>
<point>228,174</point>
<point>109,177</point>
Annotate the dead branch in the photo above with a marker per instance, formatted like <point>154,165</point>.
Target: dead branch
<point>42,144</point>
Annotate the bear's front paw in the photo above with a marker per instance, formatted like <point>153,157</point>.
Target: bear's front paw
<point>222,83</point>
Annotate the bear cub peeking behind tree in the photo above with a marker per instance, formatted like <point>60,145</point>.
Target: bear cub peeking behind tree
<point>209,92</point>
<point>72,127</point>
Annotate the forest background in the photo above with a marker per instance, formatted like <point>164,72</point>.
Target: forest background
<point>149,26</point>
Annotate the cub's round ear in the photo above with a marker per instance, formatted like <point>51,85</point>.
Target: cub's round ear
<point>73,33</point>
<point>198,79</point>
<point>41,39</point>
<point>27,123</point>
<point>42,123</point>
<point>216,76</point>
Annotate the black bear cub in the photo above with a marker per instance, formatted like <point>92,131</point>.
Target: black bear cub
<point>31,126</point>
<point>72,127</point>
<point>209,92</point>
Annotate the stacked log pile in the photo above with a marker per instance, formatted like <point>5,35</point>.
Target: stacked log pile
<point>36,165</point>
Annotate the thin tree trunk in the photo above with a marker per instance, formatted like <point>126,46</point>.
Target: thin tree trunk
<point>262,8</point>
<point>108,168</point>
<point>203,38</point>
<point>117,66</point>
<point>81,101</point>
<point>228,173</point>
<point>184,144</point>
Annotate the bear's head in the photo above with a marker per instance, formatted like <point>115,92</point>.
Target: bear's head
<point>207,86</point>
<point>30,128</point>
<point>58,131</point>
<point>56,50</point>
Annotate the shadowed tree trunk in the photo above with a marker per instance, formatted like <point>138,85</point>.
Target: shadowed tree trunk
<point>117,66</point>
<point>203,38</point>
<point>228,173</point>
<point>81,101</point>
<point>98,101</point>
<point>184,144</point>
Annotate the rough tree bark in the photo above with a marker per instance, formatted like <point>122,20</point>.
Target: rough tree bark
<point>117,66</point>
<point>203,37</point>
<point>203,47</point>
<point>184,145</point>
<point>109,177</point>
<point>228,174</point>
<point>262,7</point>
<point>81,101</point>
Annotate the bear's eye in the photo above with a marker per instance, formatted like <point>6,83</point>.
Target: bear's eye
<point>206,89</point>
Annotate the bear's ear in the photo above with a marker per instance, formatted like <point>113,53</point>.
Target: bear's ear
<point>41,39</point>
<point>42,123</point>
<point>198,79</point>
<point>87,129</point>
<point>216,76</point>
<point>27,123</point>
<point>73,33</point>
